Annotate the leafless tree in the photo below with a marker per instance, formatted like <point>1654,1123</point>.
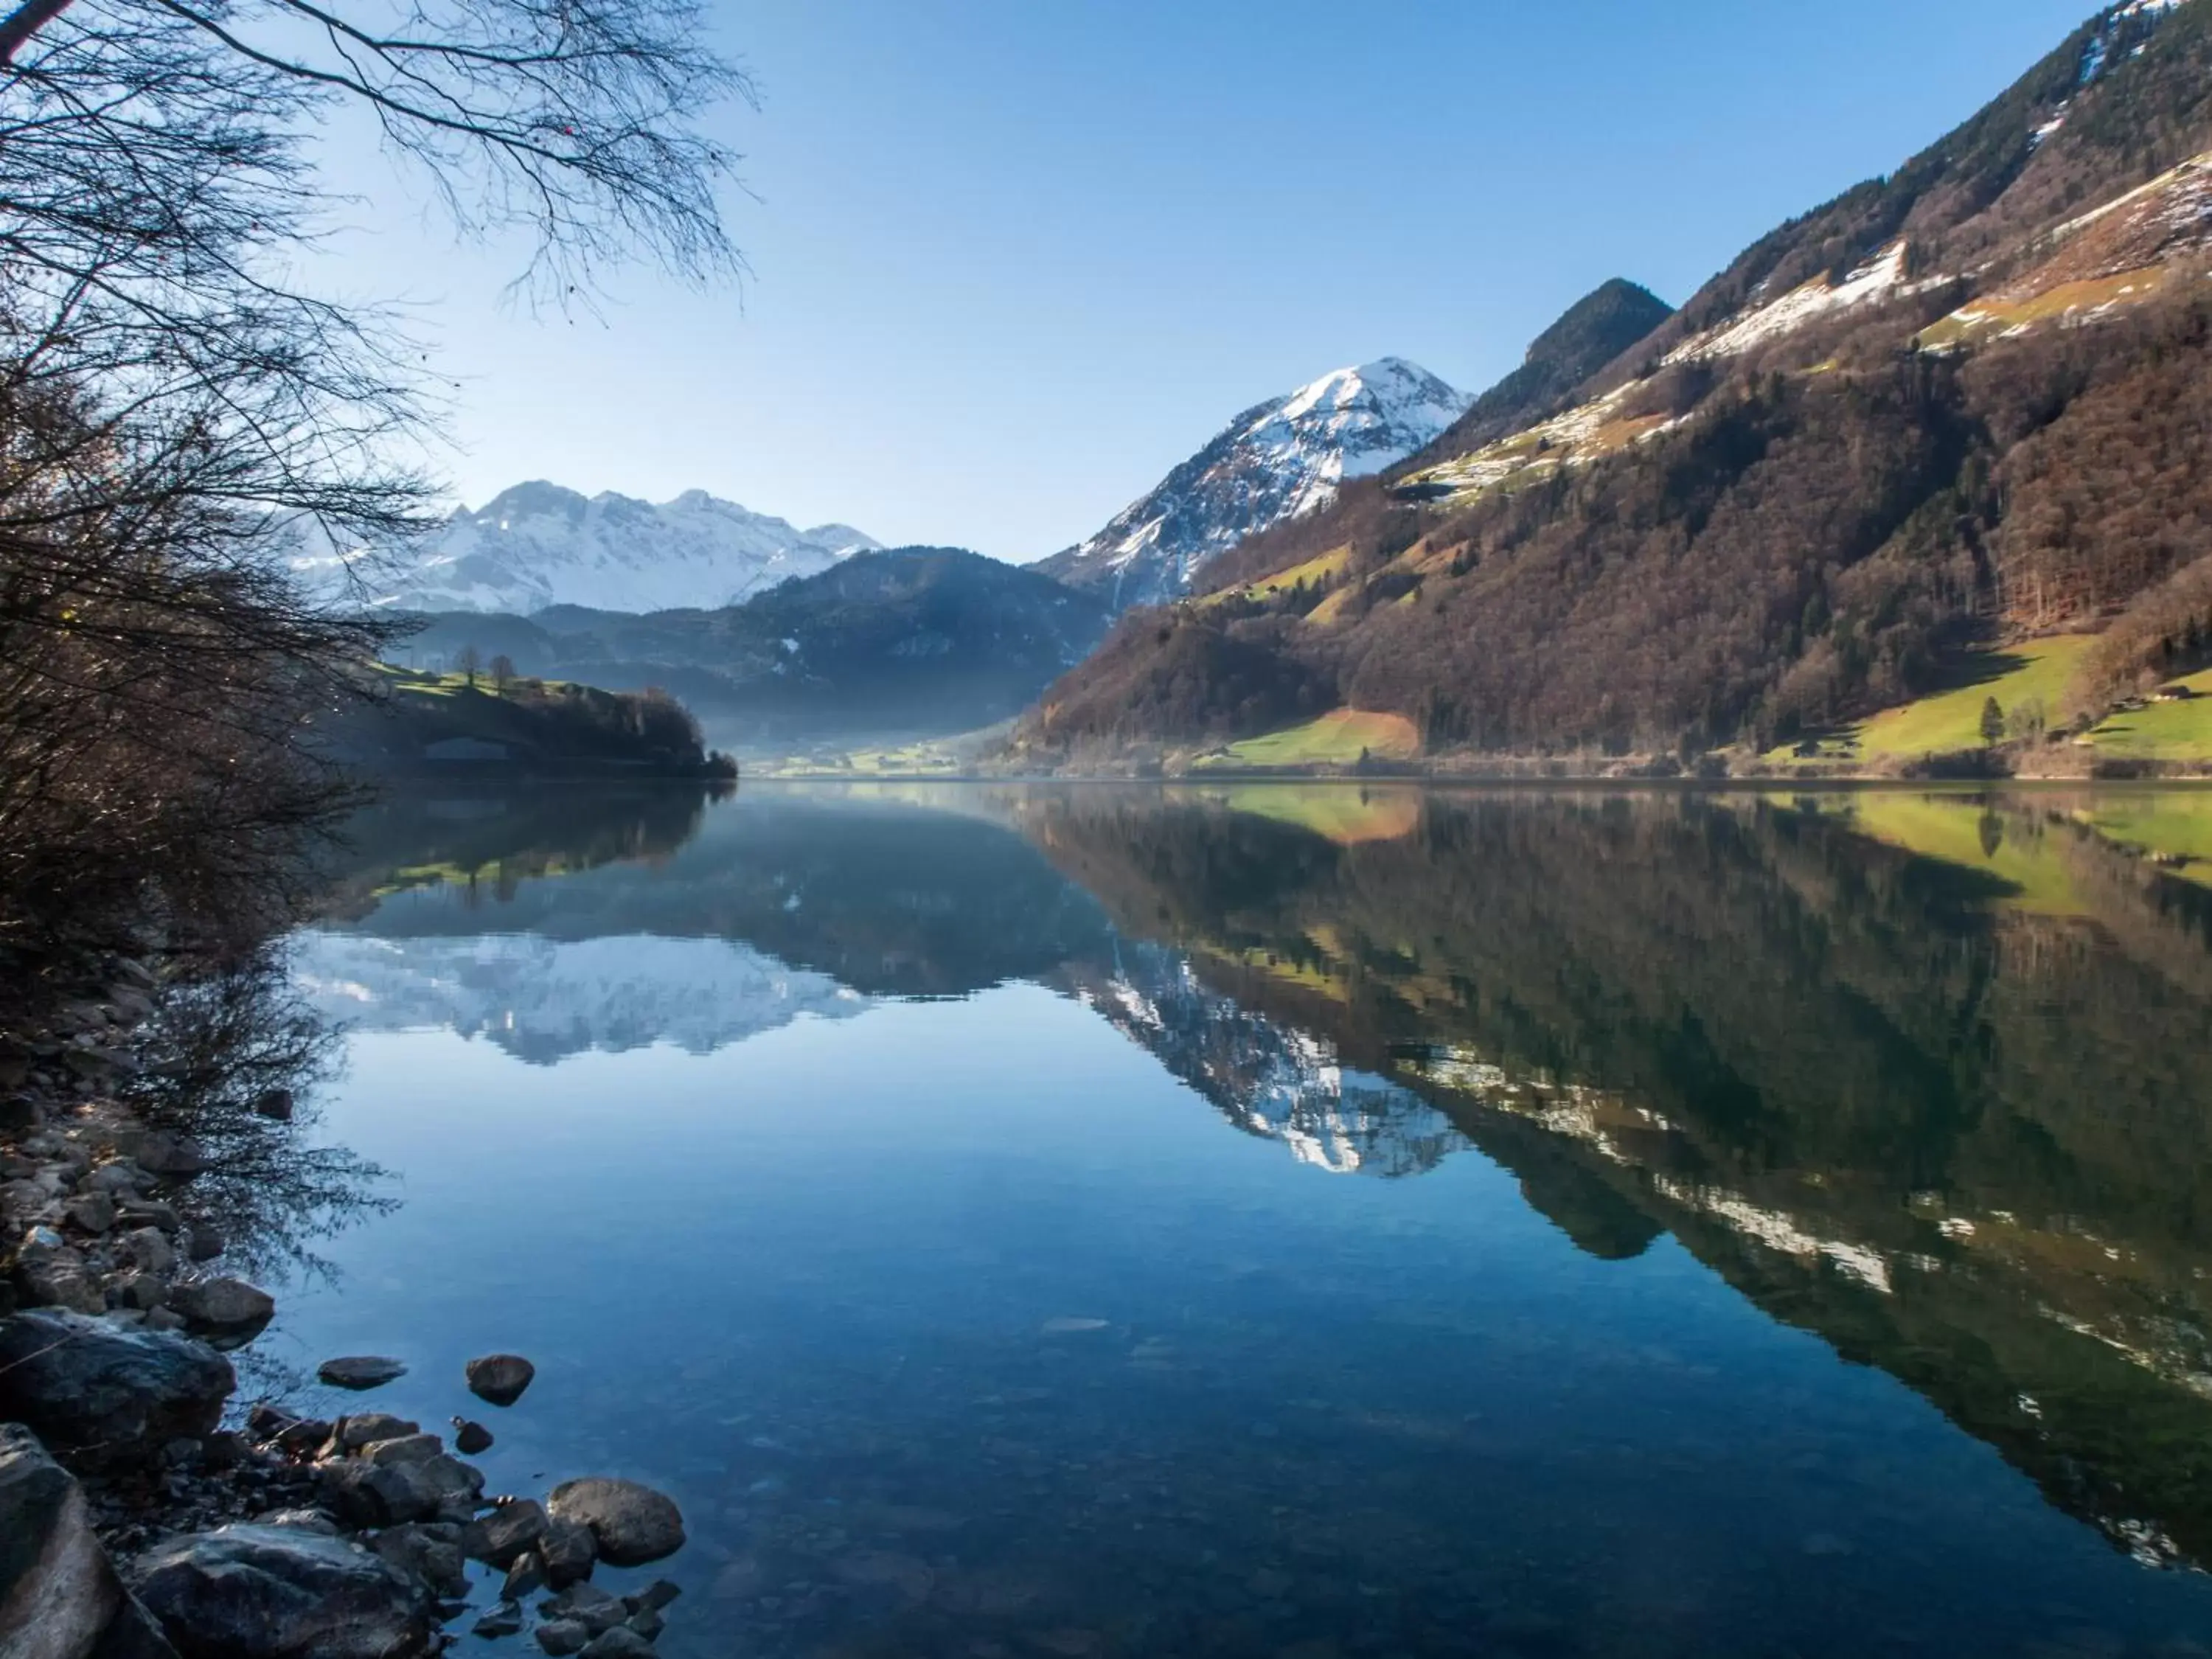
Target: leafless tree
<point>157,183</point>
<point>176,398</point>
<point>156,670</point>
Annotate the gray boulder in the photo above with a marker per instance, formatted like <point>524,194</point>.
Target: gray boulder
<point>417,1448</point>
<point>560,1636</point>
<point>430,1553</point>
<point>255,1592</point>
<point>620,1642</point>
<point>58,1276</point>
<point>496,1539</point>
<point>398,1490</point>
<point>149,1250</point>
<point>527,1574</point>
<point>360,1371</point>
<point>150,1212</point>
<point>224,1309</point>
<point>632,1524</point>
<point>94,1211</point>
<point>589,1606</point>
<point>499,1377</point>
<point>504,1620</point>
<point>60,1598</point>
<point>160,1153</point>
<point>366,1428</point>
<point>567,1550</point>
<point>109,1394</point>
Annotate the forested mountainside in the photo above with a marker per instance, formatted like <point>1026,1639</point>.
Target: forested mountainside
<point>1965,402</point>
<point>903,642</point>
<point>1596,329</point>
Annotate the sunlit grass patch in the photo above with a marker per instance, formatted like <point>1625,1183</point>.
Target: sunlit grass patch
<point>1313,572</point>
<point>1339,738</point>
<point>2018,677</point>
<point>2162,731</point>
<point>1995,314</point>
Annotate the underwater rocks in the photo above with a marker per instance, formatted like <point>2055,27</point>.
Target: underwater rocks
<point>389,1482</point>
<point>360,1371</point>
<point>132,1526</point>
<point>224,1311</point>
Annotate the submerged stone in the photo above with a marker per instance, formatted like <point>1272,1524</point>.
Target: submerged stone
<point>361,1371</point>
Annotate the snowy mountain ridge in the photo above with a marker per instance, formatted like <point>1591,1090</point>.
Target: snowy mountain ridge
<point>544,999</point>
<point>1275,461</point>
<point>539,545</point>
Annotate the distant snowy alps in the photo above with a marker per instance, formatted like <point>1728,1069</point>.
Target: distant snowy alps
<point>538,544</point>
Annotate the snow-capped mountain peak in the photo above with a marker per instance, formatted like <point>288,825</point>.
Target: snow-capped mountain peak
<point>1274,461</point>
<point>538,545</point>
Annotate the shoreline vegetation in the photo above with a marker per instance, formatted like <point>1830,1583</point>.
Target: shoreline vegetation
<point>190,426</point>
<point>410,723</point>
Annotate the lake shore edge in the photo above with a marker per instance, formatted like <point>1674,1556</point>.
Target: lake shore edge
<point>161,1513</point>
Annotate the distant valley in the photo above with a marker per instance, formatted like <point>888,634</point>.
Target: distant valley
<point>885,644</point>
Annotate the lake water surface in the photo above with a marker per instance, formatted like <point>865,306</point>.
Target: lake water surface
<point>1309,1222</point>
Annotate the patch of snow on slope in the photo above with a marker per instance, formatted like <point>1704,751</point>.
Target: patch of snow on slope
<point>1281,460</point>
<point>2099,52</point>
<point>1801,306</point>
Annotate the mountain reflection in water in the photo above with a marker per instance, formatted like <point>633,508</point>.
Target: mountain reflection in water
<point>1924,1075</point>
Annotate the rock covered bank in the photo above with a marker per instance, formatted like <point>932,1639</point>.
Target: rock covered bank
<point>147,1511</point>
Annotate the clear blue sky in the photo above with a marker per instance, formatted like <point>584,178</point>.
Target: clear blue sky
<point>1014,258</point>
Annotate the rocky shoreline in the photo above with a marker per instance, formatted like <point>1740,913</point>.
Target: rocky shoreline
<point>147,1511</point>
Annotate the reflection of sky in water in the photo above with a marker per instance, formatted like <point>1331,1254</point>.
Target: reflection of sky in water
<point>833,1286</point>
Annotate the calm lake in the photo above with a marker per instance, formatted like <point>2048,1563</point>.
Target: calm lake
<point>1306,1221</point>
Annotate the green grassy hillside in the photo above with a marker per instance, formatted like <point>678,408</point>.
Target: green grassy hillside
<point>1343,737</point>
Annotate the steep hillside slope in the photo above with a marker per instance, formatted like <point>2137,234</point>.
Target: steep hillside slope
<point>910,642</point>
<point>1596,329</point>
<point>1967,402</point>
<point>1276,460</point>
<point>538,544</point>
